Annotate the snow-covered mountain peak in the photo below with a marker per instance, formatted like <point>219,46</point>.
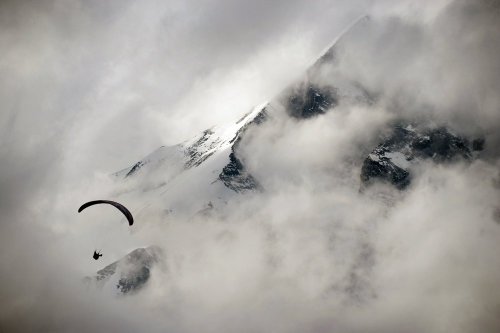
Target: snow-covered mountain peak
<point>189,177</point>
<point>193,152</point>
<point>217,138</point>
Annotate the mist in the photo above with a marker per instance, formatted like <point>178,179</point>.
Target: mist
<point>91,87</point>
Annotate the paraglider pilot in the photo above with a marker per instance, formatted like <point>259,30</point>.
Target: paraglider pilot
<point>96,255</point>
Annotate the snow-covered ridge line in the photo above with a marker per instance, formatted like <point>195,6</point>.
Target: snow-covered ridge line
<point>196,150</point>
<point>217,138</point>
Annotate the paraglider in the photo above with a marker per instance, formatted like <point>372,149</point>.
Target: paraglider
<point>115,204</point>
<point>96,255</point>
<point>119,206</point>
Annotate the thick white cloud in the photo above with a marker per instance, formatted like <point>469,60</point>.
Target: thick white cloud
<point>90,86</point>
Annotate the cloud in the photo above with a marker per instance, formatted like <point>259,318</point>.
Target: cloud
<point>443,69</point>
<point>93,86</point>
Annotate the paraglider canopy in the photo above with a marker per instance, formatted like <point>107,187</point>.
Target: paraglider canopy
<point>117,205</point>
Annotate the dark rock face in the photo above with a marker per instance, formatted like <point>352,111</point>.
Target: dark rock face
<point>134,269</point>
<point>235,177</point>
<point>308,100</point>
<point>384,169</point>
<point>441,146</point>
<point>478,144</point>
<point>135,168</point>
<point>234,174</point>
<point>391,160</point>
<point>135,281</point>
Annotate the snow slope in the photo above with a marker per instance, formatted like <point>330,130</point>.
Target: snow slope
<point>192,176</point>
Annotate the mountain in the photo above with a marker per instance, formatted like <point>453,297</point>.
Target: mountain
<point>215,141</point>
<point>213,157</point>
<point>391,161</point>
<point>129,274</point>
<point>199,176</point>
<point>322,87</point>
<point>193,175</point>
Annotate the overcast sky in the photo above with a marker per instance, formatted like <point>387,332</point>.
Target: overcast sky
<point>90,87</point>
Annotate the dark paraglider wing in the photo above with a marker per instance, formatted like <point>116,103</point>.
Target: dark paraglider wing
<point>117,205</point>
